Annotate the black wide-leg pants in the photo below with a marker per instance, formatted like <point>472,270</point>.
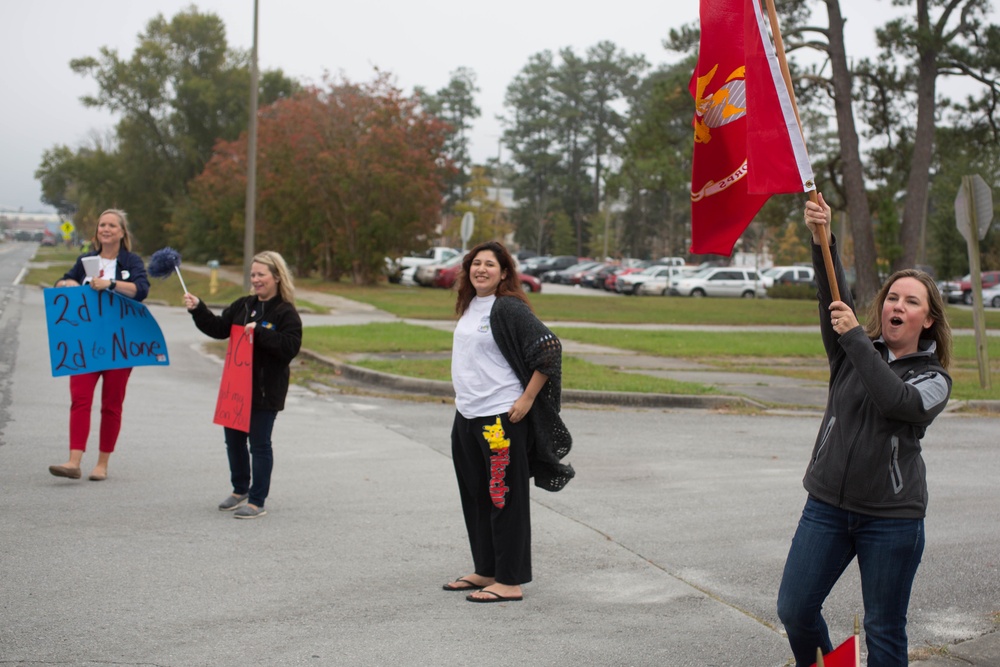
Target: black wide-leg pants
<point>493,484</point>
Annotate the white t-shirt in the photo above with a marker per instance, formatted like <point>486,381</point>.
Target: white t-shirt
<point>485,384</point>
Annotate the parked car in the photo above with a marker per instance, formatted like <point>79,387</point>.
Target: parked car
<point>595,277</point>
<point>659,283</point>
<point>600,276</point>
<point>570,275</point>
<point>990,278</point>
<point>611,282</point>
<point>631,282</point>
<point>951,290</point>
<point>991,297</point>
<point>404,269</point>
<point>788,275</point>
<point>721,281</point>
<point>557,263</point>
<point>530,283</point>
<point>426,273</point>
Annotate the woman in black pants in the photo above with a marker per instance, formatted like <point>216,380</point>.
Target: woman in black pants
<point>506,368</point>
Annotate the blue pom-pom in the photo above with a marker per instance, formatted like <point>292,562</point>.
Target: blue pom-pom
<point>163,262</point>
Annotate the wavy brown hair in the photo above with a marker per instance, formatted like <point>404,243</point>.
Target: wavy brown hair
<point>939,332</point>
<point>510,284</point>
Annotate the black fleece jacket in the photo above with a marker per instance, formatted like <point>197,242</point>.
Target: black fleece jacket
<point>276,341</point>
<point>867,454</point>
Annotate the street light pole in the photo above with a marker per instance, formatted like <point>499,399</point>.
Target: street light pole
<point>250,216</point>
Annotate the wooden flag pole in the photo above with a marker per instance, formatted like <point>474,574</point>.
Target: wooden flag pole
<point>779,49</point>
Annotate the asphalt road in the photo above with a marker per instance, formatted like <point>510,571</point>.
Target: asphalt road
<point>666,549</point>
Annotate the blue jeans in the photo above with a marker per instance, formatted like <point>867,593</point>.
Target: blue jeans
<point>261,425</point>
<point>825,543</point>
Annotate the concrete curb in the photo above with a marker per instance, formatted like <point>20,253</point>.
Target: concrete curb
<point>623,398</point>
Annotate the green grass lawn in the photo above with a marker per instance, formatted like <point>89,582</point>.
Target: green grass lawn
<point>783,353</point>
<point>438,304</point>
<point>790,354</point>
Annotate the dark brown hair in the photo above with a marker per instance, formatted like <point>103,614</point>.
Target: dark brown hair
<point>510,284</point>
<point>939,332</point>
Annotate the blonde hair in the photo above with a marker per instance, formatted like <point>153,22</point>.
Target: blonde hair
<point>126,242</point>
<point>276,265</point>
<point>939,332</point>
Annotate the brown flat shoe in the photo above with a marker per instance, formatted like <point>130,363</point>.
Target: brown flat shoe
<point>97,477</point>
<point>63,471</point>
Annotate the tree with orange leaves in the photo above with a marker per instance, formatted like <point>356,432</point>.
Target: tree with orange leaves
<point>348,174</point>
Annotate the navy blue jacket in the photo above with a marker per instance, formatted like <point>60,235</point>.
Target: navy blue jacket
<point>129,269</point>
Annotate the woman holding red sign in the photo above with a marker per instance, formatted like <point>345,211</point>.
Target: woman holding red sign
<point>116,269</point>
<point>271,322</point>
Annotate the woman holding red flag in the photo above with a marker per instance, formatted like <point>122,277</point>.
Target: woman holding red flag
<point>866,479</point>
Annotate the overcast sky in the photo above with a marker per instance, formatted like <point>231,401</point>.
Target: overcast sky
<point>421,43</point>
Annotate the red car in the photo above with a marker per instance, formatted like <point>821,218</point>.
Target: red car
<point>446,277</point>
<point>990,278</point>
<point>610,283</point>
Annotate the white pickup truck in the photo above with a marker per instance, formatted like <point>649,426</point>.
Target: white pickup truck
<point>401,270</point>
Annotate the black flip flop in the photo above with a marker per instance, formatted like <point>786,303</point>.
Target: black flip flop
<point>471,586</point>
<point>496,598</point>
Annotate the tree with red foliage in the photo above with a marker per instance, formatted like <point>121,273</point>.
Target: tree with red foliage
<point>348,174</point>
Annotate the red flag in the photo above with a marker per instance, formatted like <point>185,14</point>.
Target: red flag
<point>747,143</point>
<point>847,654</point>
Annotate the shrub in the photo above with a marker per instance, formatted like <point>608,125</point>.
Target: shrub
<point>799,291</point>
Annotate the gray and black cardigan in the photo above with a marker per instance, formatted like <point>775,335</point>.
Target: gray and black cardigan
<point>529,346</point>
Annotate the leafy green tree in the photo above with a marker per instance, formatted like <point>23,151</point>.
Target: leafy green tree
<point>455,104</point>
<point>532,136</point>
<point>613,77</point>
<point>492,218</point>
<point>654,178</point>
<point>900,107</point>
<point>565,126</point>
<point>571,112</point>
<point>940,39</point>
<point>182,89</point>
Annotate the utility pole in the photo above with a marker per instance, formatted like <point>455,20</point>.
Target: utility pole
<point>250,216</point>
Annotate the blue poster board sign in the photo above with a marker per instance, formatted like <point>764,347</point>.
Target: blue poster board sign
<point>92,331</point>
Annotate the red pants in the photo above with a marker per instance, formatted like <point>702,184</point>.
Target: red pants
<point>81,391</point>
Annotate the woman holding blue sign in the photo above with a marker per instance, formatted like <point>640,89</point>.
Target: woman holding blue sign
<point>111,266</point>
<point>270,321</point>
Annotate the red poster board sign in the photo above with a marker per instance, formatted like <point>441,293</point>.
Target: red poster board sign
<point>236,389</point>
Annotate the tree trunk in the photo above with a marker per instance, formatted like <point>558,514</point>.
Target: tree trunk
<point>854,179</point>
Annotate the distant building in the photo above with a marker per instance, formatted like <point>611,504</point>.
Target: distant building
<point>28,222</point>
<point>31,226</point>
